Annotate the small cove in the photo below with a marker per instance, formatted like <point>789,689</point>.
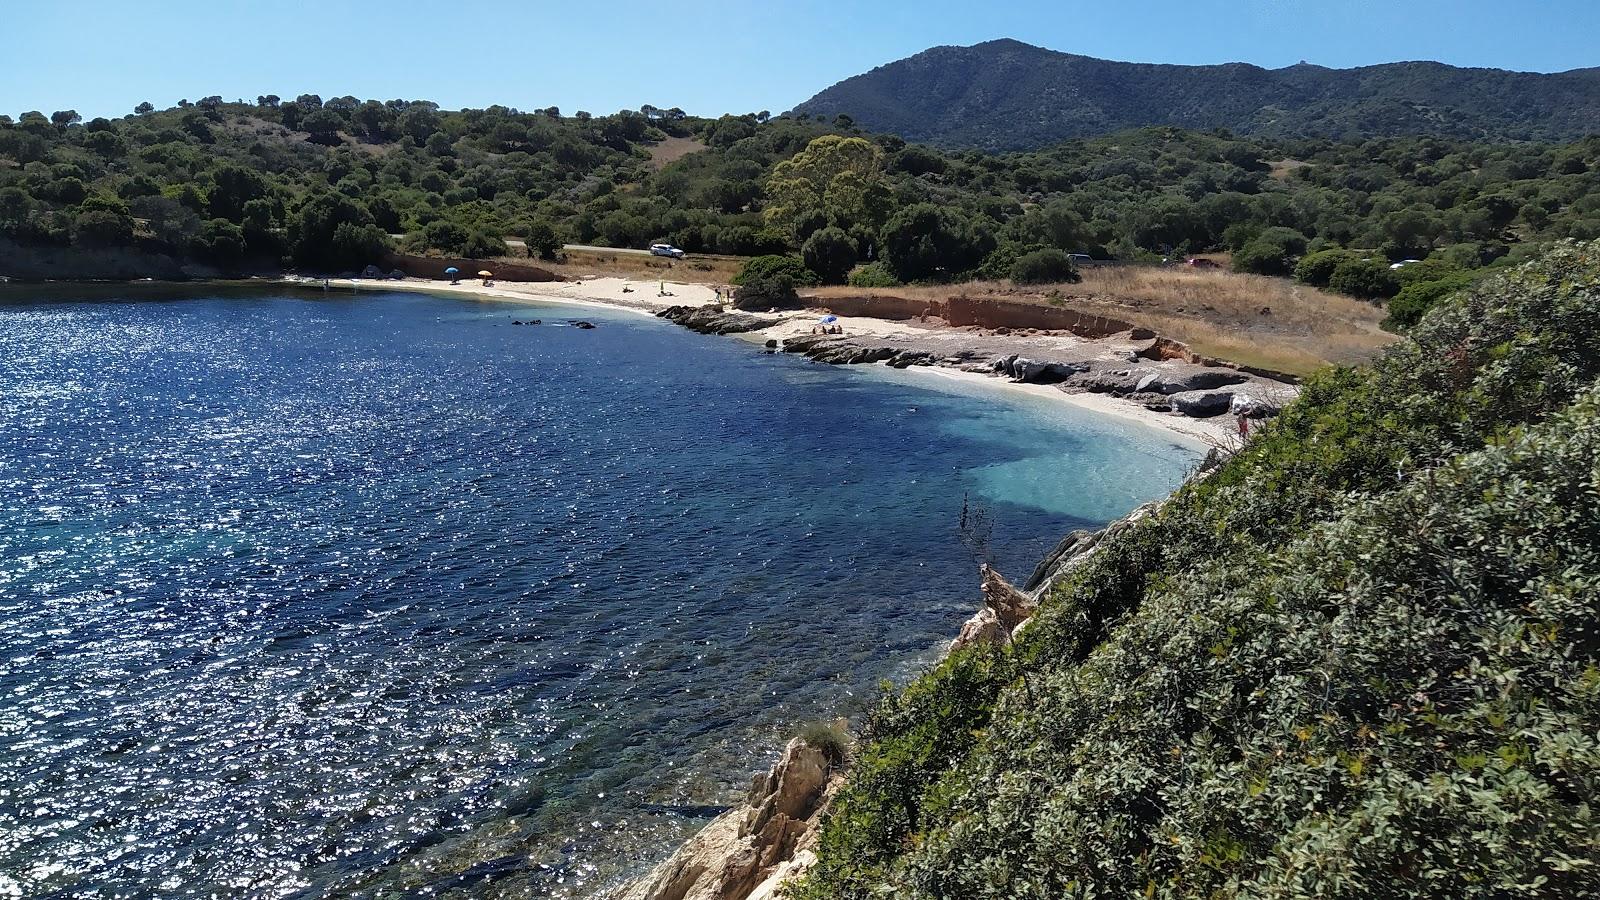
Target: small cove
<point>321,593</point>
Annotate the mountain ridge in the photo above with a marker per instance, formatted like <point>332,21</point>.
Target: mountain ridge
<point>1008,95</point>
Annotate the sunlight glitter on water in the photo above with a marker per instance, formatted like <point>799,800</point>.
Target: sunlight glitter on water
<point>323,595</point>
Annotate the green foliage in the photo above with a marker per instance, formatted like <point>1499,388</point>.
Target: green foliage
<point>768,186</point>
<point>927,242</point>
<point>873,275</point>
<point>1271,252</point>
<point>542,240</point>
<point>1047,266</point>
<point>831,254</point>
<point>1369,279</point>
<point>769,282</point>
<point>1359,659</point>
<point>1316,269</point>
<point>1407,308</point>
<point>831,739</point>
<point>103,228</point>
<point>483,244</point>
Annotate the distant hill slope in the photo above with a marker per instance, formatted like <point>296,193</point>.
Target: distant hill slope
<point>1007,95</point>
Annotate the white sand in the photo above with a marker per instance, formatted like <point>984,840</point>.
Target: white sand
<point>644,298</point>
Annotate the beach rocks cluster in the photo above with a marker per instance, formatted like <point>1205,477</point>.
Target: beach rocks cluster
<point>749,852</point>
<point>715,319</point>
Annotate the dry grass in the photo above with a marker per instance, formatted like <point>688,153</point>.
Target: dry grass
<point>694,270</point>
<point>1284,168</point>
<point>671,150</point>
<point>1216,313</point>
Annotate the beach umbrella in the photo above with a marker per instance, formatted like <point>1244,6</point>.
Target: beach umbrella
<point>485,273</point>
<point>451,271</point>
<point>829,320</point>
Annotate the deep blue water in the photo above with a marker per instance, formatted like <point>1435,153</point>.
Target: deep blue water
<point>336,594</point>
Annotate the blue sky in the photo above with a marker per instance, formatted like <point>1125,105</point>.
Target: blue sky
<point>709,57</point>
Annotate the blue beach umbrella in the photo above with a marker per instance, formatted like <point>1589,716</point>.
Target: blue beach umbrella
<point>452,270</point>
<point>829,320</point>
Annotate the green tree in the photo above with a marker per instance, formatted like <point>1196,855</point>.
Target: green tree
<point>449,238</point>
<point>483,244</point>
<point>320,220</point>
<point>830,253</point>
<point>1316,269</point>
<point>924,241</point>
<point>103,228</point>
<point>1368,279</point>
<point>323,127</point>
<point>769,282</point>
<point>542,240</point>
<point>841,176</point>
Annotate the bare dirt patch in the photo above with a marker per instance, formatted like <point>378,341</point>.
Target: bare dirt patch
<point>671,150</point>
<point>1271,323</point>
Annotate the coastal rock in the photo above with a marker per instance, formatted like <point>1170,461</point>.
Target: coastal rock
<point>1185,380</point>
<point>750,851</point>
<point>1033,371</point>
<point>1077,547</point>
<point>1203,404</point>
<point>715,319</point>
<point>1005,609</point>
<point>1117,382</point>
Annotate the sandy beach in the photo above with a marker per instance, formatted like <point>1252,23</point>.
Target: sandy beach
<point>647,298</point>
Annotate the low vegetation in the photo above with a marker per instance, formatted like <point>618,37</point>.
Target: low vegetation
<point>1360,659</point>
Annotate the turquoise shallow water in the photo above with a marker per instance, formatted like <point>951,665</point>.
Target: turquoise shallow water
<point>331,594</point>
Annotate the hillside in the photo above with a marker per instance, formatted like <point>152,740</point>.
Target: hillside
<point>1007,95</point>
<point>1360,659</point>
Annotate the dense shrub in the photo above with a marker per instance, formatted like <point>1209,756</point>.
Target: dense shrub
<point>1359,659</point>
<point>769,282</point>
<point>542,240</point>
<point>831,254</point>
<point>1048,266</point>
<point>1407,307</point>
<point>1270,252</point>
<point>873,275</point>
<point>1369,279</point>
<point>483,244</point>
<point>1316,269</point>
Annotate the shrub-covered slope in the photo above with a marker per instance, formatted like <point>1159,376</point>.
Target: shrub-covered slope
<point>1007,95</point>
<point>1359,660</point>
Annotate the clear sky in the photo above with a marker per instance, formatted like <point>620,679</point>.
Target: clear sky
<point>101,57</point>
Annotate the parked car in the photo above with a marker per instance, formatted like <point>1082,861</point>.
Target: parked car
<point>1200,262</point>
<point>1403,263</point>
<point>666,250</point>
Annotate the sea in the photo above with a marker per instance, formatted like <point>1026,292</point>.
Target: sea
<point>323,593</point>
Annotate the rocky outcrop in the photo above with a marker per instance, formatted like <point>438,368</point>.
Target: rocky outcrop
<point>842,351</point>
<point>1005,609</point>
<point>748,852</point>
<point>1203,404</point>
<point>1031,371</point>
<point>1077,547</point>
<point>715,319</point>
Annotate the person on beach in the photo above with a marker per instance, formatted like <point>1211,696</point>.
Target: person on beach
<point>1244,426</point>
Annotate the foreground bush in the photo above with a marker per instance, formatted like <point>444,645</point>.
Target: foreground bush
<point>1361,659</point>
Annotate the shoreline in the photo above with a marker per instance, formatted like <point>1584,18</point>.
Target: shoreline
<point>1199,434</point>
